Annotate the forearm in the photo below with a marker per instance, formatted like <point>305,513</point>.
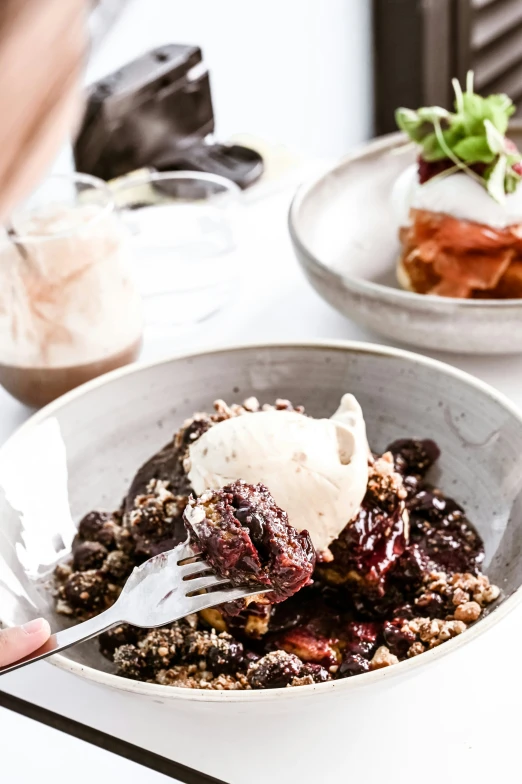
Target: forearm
<point>42,51</point>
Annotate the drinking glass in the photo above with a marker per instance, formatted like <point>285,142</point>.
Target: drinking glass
<point>69,310</point>
<point>184,231</point>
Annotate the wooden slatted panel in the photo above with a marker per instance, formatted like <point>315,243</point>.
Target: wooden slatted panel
<point>495,60</point>
<point>493,21</point>
<point>494,52</point>
<point>482,3</point>
<point>413,56</point>
<point>510,83</point>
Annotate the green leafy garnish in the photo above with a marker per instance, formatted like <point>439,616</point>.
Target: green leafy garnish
<point>472,137</point>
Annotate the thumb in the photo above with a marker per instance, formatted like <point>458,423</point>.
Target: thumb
<point>19,641</point>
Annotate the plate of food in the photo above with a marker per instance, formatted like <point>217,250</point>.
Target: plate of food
<point>376,492</point>
<point>418,235</point>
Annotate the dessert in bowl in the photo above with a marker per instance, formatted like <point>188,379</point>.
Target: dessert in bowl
<point>371,565</point>
<point>404,576</point>
<point>459,207</point>
<point>413,241</point>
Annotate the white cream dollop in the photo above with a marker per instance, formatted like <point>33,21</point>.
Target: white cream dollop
<point>315,469</point>
<point>458,195</point>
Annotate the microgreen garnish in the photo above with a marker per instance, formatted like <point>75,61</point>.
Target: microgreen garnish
<point>472,137</point>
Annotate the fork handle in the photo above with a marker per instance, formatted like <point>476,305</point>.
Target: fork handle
<point>64,639</point>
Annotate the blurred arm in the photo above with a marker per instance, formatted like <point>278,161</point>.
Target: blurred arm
<point>42,51</point>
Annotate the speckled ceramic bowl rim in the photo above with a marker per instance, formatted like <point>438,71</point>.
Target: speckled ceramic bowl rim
<point>345,685</point>
<point>379,290</point>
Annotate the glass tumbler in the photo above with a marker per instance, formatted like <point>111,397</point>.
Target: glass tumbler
<point>184,231</point>
<point>69,310</point>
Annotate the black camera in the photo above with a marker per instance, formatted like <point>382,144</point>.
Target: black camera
<point>156,112</point>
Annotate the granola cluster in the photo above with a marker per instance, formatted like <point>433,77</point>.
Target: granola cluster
<point>404,575</point>
<point>154,521</point>
<point>279,669</point>
<point>181,654</point>
<point>463,596</point>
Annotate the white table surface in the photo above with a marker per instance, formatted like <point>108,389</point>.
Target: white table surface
<point>273,303</point>
<point>33,752</point>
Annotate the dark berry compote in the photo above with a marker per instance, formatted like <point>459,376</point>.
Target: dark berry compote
<point>403,576</point>
<point>246,537</point>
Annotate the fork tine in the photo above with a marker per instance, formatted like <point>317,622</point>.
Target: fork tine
<point>185,550</point>
<point>167,560</point>
<point>193,568</point>
<point>204,582</point>
<point>219,597</point>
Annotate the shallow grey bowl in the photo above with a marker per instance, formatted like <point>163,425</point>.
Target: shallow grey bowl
<point>345,237</point>
<point>80,453</point>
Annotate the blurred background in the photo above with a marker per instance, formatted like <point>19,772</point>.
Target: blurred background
<point>297,71</point>
<point>440,39</point>
<point>263,95</point>
<point>321,77</point>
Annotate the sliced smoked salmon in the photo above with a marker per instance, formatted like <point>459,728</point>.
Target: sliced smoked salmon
<point>452,258</point>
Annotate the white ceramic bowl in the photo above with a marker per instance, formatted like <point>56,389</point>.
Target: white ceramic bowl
<point>345,237</point>
<point>81,451</point>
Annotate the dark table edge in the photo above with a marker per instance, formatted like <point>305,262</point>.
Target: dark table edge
<point>148,759</point>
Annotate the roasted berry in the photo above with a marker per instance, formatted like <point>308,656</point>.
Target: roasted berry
<point>278,669</point>
<point>353,664</point>
<point>314,673</point>
<point>155,521</point>
<point>362,638</point>
<point>414,456</point>
<point>98,527</point>
<point>85,590</point>
<point>131,663</point>
<point>118,566</point>
<point>429,169</point>
<point>161,648</point>
<point>368,547</point>
<point>89,555</point>
<point>398,636</point>
<point>246,537</point>
<point>124,634</point>
<point>443,534</point>
<point>221,652</point>
<point>227,655</point>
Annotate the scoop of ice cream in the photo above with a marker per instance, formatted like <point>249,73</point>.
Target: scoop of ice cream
<point>316,469</point>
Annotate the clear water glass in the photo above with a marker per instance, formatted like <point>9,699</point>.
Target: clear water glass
<point>184,231</point>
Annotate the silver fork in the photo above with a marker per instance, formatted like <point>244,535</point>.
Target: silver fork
<point>160,591</point>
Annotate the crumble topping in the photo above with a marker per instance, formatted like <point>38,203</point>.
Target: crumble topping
<point>383,658</point>
<point>462,594</point>
<point>385,484</point>
<point>430,632</point>
<point>278,669</point>
<point>191,677</point>
<point>402,578</point>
